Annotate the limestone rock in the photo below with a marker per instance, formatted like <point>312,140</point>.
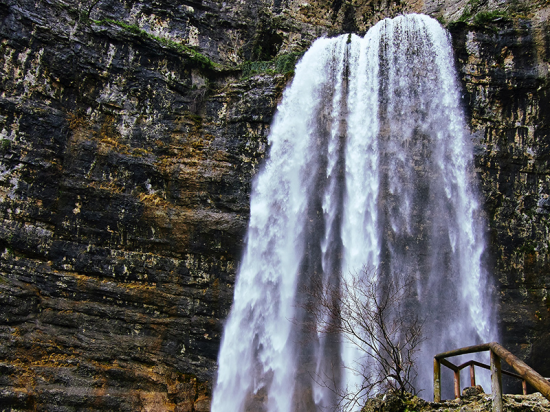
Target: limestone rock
<point>128,143</point>
<point>472,391</point>
<point>474,403</point>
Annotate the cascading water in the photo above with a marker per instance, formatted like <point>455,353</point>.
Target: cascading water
<point>370,165</point>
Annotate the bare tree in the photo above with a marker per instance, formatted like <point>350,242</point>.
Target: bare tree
<point>378,320</point>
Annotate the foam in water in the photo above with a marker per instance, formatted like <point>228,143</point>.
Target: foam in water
<point>370,165</point>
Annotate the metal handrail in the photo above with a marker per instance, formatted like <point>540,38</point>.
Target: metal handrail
<point>525,373</point>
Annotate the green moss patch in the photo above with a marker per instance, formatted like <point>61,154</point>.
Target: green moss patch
<point>198,59</point>
<point>486,17</point>
<point>282,64</point>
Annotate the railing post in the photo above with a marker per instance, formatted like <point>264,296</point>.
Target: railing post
<point>496,382</point>
<point>437,380</point>
<point>457,384</point>
<point>472,376</point>
<point>497,352</point>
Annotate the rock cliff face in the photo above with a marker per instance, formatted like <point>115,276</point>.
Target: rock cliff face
<point>128,141</point>
<point>504,67</point>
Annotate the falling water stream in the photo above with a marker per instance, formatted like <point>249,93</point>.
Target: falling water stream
<point>370,165</point>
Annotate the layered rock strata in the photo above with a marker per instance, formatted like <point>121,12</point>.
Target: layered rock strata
<point>128,141</point>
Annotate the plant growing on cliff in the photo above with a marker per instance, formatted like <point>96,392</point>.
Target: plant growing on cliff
<point>282,64</point>
<point>5,145</point>
<point>374,317</point>
<point>86,8</point>
<point>198,59</point>
<point>485,17</point>
<point>480,18</point>
<point>469,10</point>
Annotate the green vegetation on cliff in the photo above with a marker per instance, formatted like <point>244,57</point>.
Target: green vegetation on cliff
<point>282,64</point>
<point>199,59</point>
<point>476,14</point>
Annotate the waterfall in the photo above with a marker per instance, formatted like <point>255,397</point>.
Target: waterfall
<point>370,165</point>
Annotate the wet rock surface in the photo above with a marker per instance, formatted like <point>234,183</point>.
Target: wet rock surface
<point>128,144</point>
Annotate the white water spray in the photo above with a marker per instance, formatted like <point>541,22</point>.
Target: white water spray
<point>370,165</point>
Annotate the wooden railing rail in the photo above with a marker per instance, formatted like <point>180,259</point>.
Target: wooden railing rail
<point>524,372</point>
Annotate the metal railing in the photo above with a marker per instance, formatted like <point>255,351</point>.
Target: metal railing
<point>524,372</point>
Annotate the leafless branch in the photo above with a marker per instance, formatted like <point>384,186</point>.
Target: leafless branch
<point>374,317</point>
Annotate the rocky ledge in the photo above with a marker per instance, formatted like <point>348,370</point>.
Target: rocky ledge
<point>471,401</point>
